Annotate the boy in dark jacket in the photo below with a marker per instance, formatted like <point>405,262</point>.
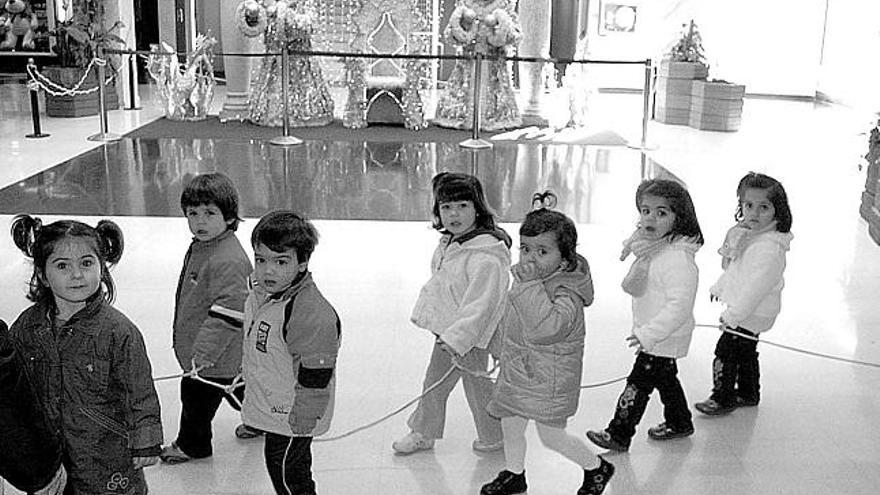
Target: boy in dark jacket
<point>208,313</point>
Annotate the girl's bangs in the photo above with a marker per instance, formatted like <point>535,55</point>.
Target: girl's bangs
<point>455,191</point>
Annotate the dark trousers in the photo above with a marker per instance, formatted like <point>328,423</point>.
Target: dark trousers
<point>289,462</point>
<point>649,373</point>
<point>199,403</point>
<point>735,371</point>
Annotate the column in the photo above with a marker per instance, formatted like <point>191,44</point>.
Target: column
<point>534,16</point>
<point>237,69</point>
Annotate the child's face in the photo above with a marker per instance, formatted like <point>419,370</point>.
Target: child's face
<point>757,209</point>
<point>275,271</point>
<point>542,251</point>
<point>458,217</point>
<point>656,216</point>
<point>73,272</point>
<point>206,221</point>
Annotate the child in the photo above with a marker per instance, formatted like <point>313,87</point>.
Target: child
<point>207,312</point>
<point>292,337</point>
<point>663,284</point>
<point>542,352</point>
<point>461,305</point>
<point>753,258</point>
<point>88,362</point>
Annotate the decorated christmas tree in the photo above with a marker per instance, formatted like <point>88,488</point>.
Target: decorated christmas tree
<point>690,47</point>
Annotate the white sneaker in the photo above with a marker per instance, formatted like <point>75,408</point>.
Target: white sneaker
<point>486,447</point>
<point>412,443</point>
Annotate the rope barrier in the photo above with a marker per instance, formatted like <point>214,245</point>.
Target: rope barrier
<point>37,79</point>
<point>791,348</point>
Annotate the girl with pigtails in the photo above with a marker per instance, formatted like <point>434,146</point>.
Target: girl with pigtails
<point>87,361</point>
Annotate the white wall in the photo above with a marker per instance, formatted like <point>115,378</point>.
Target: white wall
<point>849,70</point>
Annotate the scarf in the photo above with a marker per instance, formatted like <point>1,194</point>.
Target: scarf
<point>635,283</point>
<point>738,238</point>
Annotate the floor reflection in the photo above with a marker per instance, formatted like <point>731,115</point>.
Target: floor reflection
<point>337,180</point>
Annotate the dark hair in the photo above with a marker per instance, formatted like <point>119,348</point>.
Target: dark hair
<point>38,242</point>
<point>543,220</point>
<point>686,224</point>
<point>214,188</point>
<point>455,186</point>
<point>775,193</point>
<point>283,230</point>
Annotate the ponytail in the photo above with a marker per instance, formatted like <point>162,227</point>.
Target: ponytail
<point>25,230</point>
<point>112,241</point>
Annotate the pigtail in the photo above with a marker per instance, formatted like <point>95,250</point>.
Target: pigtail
<point>112,241</point>
<point>25,229</point>
<point>546,200</point>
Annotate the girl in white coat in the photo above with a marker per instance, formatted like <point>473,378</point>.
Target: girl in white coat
<point>753,258</point>
<point>461,305</point>
<point>663,284</point>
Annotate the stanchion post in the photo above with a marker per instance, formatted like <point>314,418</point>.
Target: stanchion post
<point>646,102</point>
<point>132,88</point>
<point>35,106</point>
<point>285,139</point>
<point>104,135</point>
<point>475,142</point>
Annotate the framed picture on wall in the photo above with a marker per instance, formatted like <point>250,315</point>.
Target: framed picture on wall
<point>617,16</point>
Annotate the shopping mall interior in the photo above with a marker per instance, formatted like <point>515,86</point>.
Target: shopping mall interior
<point>806,119</point>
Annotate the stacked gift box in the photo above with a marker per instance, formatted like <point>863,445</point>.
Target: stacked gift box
<point>870,207</point>
<point>674,86</point>
<point>716,105</point>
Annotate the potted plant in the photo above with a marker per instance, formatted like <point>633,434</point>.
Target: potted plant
<point>79,34</point>
<point>683,63</point>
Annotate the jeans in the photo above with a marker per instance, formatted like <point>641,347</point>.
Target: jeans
<point>735,370</point>
<point>199,403</point>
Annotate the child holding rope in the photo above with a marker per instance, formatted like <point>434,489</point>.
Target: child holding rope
<point>663,284</point>
<point>207,313</point>
<point>753,258</point>
<point>292,337</point>
<point>461,305</point>
<point>542,351</point>
<point>86,361</point>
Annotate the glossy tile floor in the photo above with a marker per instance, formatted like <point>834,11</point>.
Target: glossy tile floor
<point>816,430</point>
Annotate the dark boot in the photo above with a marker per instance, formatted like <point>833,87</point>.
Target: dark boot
<point>595,480</point>
<point>506,483</point>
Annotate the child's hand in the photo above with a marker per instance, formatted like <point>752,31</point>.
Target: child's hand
<point>142,462</point>
<point>633,341</point>
<point>525,272</point>
<point>446,348</point>
<point>713,298</point>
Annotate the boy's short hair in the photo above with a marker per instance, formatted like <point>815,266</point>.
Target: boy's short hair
<point>213,188</point>
<point>283,230</point>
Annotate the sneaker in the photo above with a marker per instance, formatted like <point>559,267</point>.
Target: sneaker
<point>486,447</point>
<point>741,402</point>
<point>245,432</point>
<point>595,480</point>
<point>603,439</point>
<point>412,443</point>
<point>710,407</point>
<point>172,454</point>
<point>665,432</point>
<point>506,483</point>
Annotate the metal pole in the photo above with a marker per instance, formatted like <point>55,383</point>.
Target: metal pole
<point>285,139</point>
<point>35,108</point>
<point>104,135</point>
<point>475,142</point>
<point>132,89</point>
<point>646,102</point>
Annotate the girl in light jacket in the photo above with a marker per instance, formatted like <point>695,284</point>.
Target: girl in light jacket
<point>461,305</point>
<point>663,284</point>
<point>753,258</point>
<point>542,352</point>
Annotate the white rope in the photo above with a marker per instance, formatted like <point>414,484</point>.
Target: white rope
<point>37,79</point>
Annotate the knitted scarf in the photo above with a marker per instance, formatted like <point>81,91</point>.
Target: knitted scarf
<point>738,238</point>
<point>635,283</point>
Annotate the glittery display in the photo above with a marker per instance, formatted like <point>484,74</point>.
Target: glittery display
<point>290,25</point>
<point>396,27</point>
<point>487,27</point>
<point>186,93</point>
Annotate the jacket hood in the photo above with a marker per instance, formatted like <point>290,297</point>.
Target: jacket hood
<point>487,241</point>
<point>783,239</point>
<point>578,281</point>
<point>497,233</point>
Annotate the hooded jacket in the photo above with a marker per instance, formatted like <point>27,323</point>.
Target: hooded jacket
<point>94,381</point>
<point>751,286</point>
<point>208,305</point>
<point>463,300</point>
<point>543,346</point>
<point>663,318</point>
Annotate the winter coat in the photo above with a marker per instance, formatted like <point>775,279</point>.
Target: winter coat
<point>463,301</point>
<point>663,318</point>
<point>285,334</point>
<point>94,381</point>
<point>543,346</point>
<point>751,286</point>
<point>208,305</point>
<point>30,449</point>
